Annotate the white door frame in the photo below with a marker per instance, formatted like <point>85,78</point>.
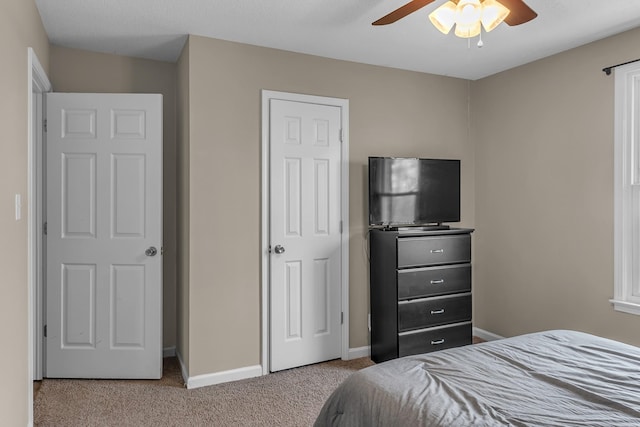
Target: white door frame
<point>38,84</point>
<point>343,104</point>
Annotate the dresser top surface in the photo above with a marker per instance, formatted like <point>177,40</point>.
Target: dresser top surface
<point>419,231</point>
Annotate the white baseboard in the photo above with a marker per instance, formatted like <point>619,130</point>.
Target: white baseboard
<point>358,352</point>
<point>169,351</point>
<point>224,376</point>
<point>204,380</point>
<point>486,335</point>
<point>218,377</point>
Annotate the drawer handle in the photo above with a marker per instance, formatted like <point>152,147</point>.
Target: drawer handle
<point>437,342</point>
<point>441,311</point>
<point>437,251</point>
<point>437,282</point>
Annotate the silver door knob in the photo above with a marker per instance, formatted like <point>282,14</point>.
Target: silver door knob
<point>278,249</point>
<point>152,251</point>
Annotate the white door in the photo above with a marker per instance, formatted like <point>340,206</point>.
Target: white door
<point>304,234</point>
<point>104,237</point>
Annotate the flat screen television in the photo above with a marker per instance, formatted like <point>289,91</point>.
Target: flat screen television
<point>413,192</point>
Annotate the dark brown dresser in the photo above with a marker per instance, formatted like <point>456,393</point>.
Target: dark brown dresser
<point>420,291</point>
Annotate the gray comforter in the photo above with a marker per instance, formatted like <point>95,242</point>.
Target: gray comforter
<point>554,378</point>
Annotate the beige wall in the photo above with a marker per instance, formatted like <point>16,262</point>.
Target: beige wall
<point>392,112</point>
<point>73,70</point>
<point>20,28</point>
<point>544,194</point>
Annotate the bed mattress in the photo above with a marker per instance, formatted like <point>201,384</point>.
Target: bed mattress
<point>553,378</point>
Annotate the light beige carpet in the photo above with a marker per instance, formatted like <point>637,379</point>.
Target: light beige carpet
<point>288,398</point>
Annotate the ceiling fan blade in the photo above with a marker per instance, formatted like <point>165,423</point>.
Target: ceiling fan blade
<point>520,12</point>
<point>403,11</point>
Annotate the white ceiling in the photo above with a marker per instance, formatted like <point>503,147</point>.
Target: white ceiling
<point>340,29</point>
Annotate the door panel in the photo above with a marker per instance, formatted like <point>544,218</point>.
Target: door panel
<point>104,209</point>
<point>128,306</point>
<point>293,305</point>
<point>292,207</point>
<point>128,190</point>
<point>79,195</point>
<point>322,289</point>
<point>305,221</point>
<point>78,305</point>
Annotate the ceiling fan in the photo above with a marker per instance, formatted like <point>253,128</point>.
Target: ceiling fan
<point>513,12</point>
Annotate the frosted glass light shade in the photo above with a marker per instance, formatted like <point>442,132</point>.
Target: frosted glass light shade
<point>493,13</point>
<point>467,30</point>
<point>444,17</point>
<point>468,12</point>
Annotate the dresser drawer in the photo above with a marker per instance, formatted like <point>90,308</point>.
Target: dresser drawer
<point>422,251</point>
<point>432,281</point>
<point>423,313</point>
<point>440,338</point>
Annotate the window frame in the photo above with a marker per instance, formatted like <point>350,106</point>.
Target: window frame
<point>627,190</point>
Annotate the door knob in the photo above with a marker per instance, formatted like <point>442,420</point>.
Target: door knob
<point>278,249</point>
<point>151,251</point>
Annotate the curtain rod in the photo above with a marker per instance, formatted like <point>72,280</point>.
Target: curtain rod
<point>608,69</point>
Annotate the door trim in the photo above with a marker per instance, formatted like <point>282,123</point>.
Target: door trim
<point>343,104</point>
<point>38,84</point>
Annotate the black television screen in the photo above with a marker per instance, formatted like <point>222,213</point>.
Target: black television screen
<point>412,192</point>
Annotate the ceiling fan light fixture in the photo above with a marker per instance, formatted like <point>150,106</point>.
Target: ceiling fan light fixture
<point>444,17</point>
<point>493,13</point>
<point>468,16</point>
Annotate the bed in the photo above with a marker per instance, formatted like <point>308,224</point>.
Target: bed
<point>553,378</point>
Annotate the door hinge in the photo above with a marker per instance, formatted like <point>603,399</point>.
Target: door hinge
<point>340,227</point>
<point>342,317</point>
<point>44,124</point>
<point>44,228</point>
<point>341,135</point>
<point>45,331</point>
